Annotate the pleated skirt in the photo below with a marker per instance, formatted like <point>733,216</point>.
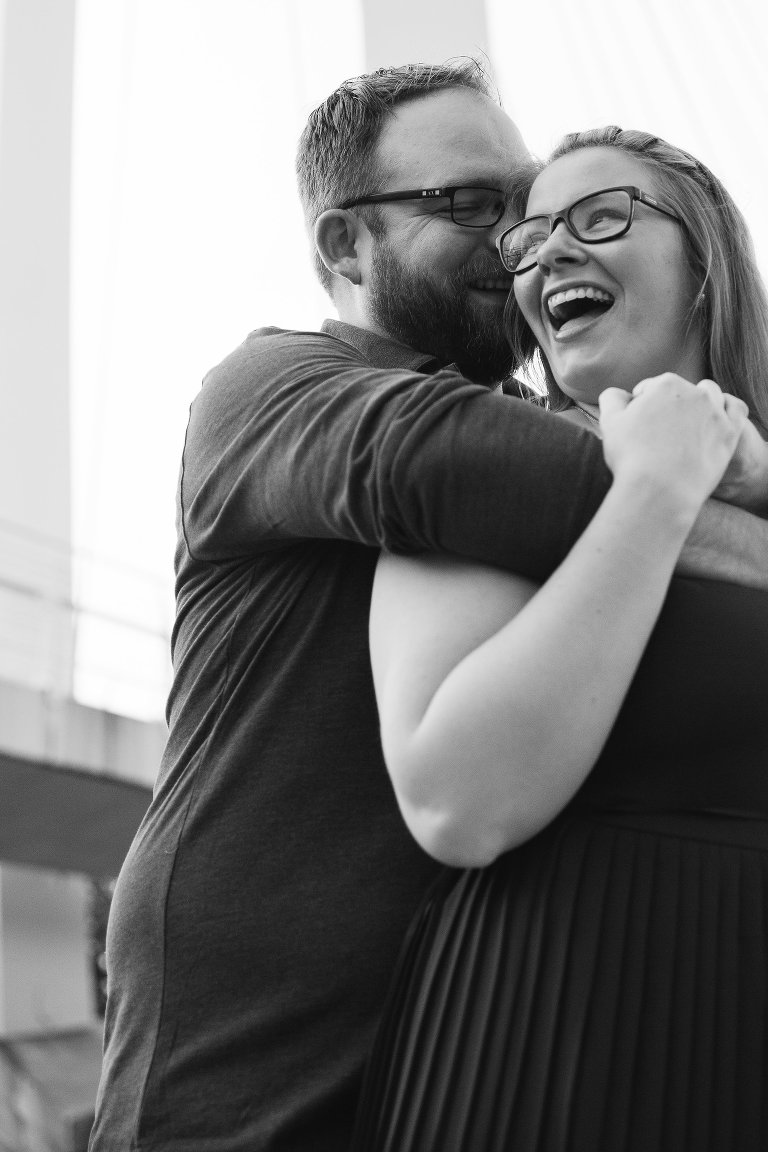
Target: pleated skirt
<point>601,989</point>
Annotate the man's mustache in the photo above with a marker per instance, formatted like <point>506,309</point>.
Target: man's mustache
<point>464,277</point>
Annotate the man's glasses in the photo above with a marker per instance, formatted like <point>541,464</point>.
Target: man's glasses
<point>594,219</point>
<point>470,207</point>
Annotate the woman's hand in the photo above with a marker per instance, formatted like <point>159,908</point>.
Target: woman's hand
<point>672,434</point>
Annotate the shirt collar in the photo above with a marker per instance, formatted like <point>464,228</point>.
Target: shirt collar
<point>381,351</point>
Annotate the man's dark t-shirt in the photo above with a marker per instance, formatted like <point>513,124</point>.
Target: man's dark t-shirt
<point>260,910</point>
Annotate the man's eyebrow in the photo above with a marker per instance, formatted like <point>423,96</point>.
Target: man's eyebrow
<point>475,182</point>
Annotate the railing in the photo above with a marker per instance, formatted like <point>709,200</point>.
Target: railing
<point>78,624</point>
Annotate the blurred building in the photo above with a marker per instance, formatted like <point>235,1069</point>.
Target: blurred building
<point>74,780</point>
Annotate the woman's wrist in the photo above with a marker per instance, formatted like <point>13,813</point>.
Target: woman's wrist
<point>667,508</point>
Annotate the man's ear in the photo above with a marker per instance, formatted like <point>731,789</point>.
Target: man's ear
<point>337,239</point>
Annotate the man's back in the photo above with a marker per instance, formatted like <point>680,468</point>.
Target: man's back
<point>260,909</point>
<point>272,880</point>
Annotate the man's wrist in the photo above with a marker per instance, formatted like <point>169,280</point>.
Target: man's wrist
<point>751,495</point>
<point>727,543</point>
<point>747,487</point>
<point>757,496</point>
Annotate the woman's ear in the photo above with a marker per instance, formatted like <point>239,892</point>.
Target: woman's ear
<point>337,236</point>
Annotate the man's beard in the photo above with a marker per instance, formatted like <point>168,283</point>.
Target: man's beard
<point>439,317</point>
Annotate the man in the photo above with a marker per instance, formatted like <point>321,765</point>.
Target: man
<point>261,908</point>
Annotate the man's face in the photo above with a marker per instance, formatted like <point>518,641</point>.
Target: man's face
<point>430,283</point>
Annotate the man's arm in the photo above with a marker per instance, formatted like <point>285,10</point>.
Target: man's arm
<point>729,544</point>
<point>297,437</point>
<point>745,482</point>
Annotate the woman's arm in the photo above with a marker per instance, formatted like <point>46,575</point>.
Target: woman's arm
<point>496,698</point>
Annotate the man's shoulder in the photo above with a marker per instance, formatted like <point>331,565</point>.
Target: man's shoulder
<point>273,357</point>
<point>271,344</point>
<point>272,336</point>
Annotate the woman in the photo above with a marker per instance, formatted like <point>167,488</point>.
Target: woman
<point>597,978</point>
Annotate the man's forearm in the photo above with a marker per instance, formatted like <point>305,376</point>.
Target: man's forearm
<point>282,448</point>
<point>729,544</point>
<point>745,482</point>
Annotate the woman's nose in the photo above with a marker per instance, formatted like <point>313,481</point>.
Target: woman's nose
<point>561,247</point>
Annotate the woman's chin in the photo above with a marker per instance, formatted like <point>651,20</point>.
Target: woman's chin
<point>584,389</point>
<point>583,381</point>
<point>583,377</point>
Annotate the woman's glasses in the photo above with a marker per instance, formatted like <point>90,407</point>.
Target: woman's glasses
<point>593,219</point>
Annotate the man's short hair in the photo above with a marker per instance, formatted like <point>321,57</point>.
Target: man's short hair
<point>336,155</point>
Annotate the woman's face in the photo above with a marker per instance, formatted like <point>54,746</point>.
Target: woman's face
<point>643,274</point>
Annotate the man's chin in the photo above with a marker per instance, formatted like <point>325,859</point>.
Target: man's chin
<point>451,321</point>
<point>485,356</point>
<point>484,371</point>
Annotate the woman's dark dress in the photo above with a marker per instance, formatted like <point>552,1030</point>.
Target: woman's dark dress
<point>604,987</point>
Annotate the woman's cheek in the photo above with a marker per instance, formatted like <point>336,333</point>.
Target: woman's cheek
<point>526,303</point>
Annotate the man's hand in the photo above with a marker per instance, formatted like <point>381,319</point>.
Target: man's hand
<point>745,480</point>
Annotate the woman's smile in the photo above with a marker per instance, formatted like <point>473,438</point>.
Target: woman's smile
<point>608,313</point>
<point>568,307</point>
<point>567,304</point>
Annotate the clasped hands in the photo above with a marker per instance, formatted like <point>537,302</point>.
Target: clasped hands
<point>714,423</point>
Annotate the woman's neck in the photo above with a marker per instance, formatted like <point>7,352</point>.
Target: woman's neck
<point>585,415</point>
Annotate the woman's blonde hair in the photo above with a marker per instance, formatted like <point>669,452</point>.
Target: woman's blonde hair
<point>730,306</point>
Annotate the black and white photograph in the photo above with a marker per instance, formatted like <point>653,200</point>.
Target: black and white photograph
<point>383,576</point>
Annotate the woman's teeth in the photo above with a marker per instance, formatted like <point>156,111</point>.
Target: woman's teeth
<point>579,294</point>
<point>573,302</point>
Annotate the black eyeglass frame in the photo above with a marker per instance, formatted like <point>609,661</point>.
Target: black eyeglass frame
<point>635,195</point>
<point>449,192</point>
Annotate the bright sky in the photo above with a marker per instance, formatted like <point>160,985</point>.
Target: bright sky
<point>187,232</point>
<point>691,71</point>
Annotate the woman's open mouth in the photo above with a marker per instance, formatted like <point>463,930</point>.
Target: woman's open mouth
<point>582,302</point>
